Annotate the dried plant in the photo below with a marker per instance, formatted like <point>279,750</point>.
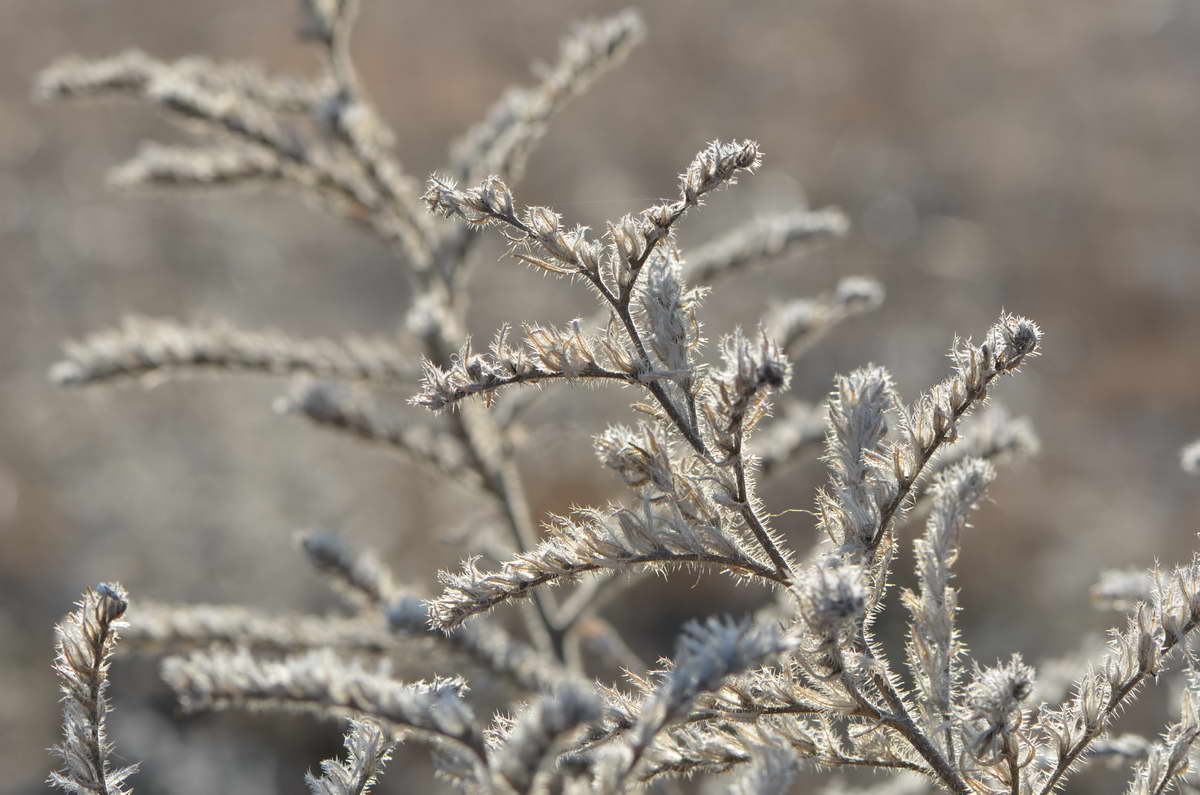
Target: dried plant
<point>803,682</point>
<point>86,639</point>
<point>367,751</point>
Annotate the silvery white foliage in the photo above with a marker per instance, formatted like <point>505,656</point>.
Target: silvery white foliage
<point>605,771</point>
<point>993,435</point>
<point>537,236</point>
<point>367,751</point>
<point>640,457</point>
<point>358,576</point>
<point>858,294</point>
<point>548,354</point>
<point>933,644</point>
<point>832,598</point>
<point>85,641</point>
<point>717,165</point>
<point>525,751</point>
<point>753,367</point>
<point>501,142</point>
<point>667,310</point>
<point>678,483</point>
<point>993,718</point>
<point>175,628</point>
<point>161,166</point>
<point>322,684</point>
<point>800,323</point>
<point>144,347</point>
<point>705,689</point>
<point>900,784</point>
<point>771,773</point>
<point>857,420</point>
<point>934,417</point>
<point>804,680</point>
<point>682,751</point>
<point>707,655</point>
<point>488,646</point>
<point>857,427</point>
<point>1168,761</point>
<point>1155,630</point>
<point>590,541</point>
<point>763,240</point>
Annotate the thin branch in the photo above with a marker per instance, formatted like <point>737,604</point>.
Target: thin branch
<point>486,645</point>
<point>899,720</point>
<point>145,346</point>
<point>86,639</point>
<point>531,376</point>
<point>1155,630</point>
<point>355,123</point>
<point>158,627</point>
<point>450,610</point>
<point>761,534</point>
<point>368,749</point>
<point>322,684</point>
<point>935,421</point>
<point>339,409</point>
<point>765,240</point>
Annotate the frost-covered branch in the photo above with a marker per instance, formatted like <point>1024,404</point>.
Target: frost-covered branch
<point>617,539</point>
<point>143,346</point>
<point>86,639</point>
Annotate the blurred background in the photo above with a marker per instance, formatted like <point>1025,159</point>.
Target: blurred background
<point>1043,158</point>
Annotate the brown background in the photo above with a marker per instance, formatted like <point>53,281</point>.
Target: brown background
<point>1043,158</point>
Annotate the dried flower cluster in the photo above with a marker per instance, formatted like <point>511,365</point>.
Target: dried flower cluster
<point>802,682</point>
